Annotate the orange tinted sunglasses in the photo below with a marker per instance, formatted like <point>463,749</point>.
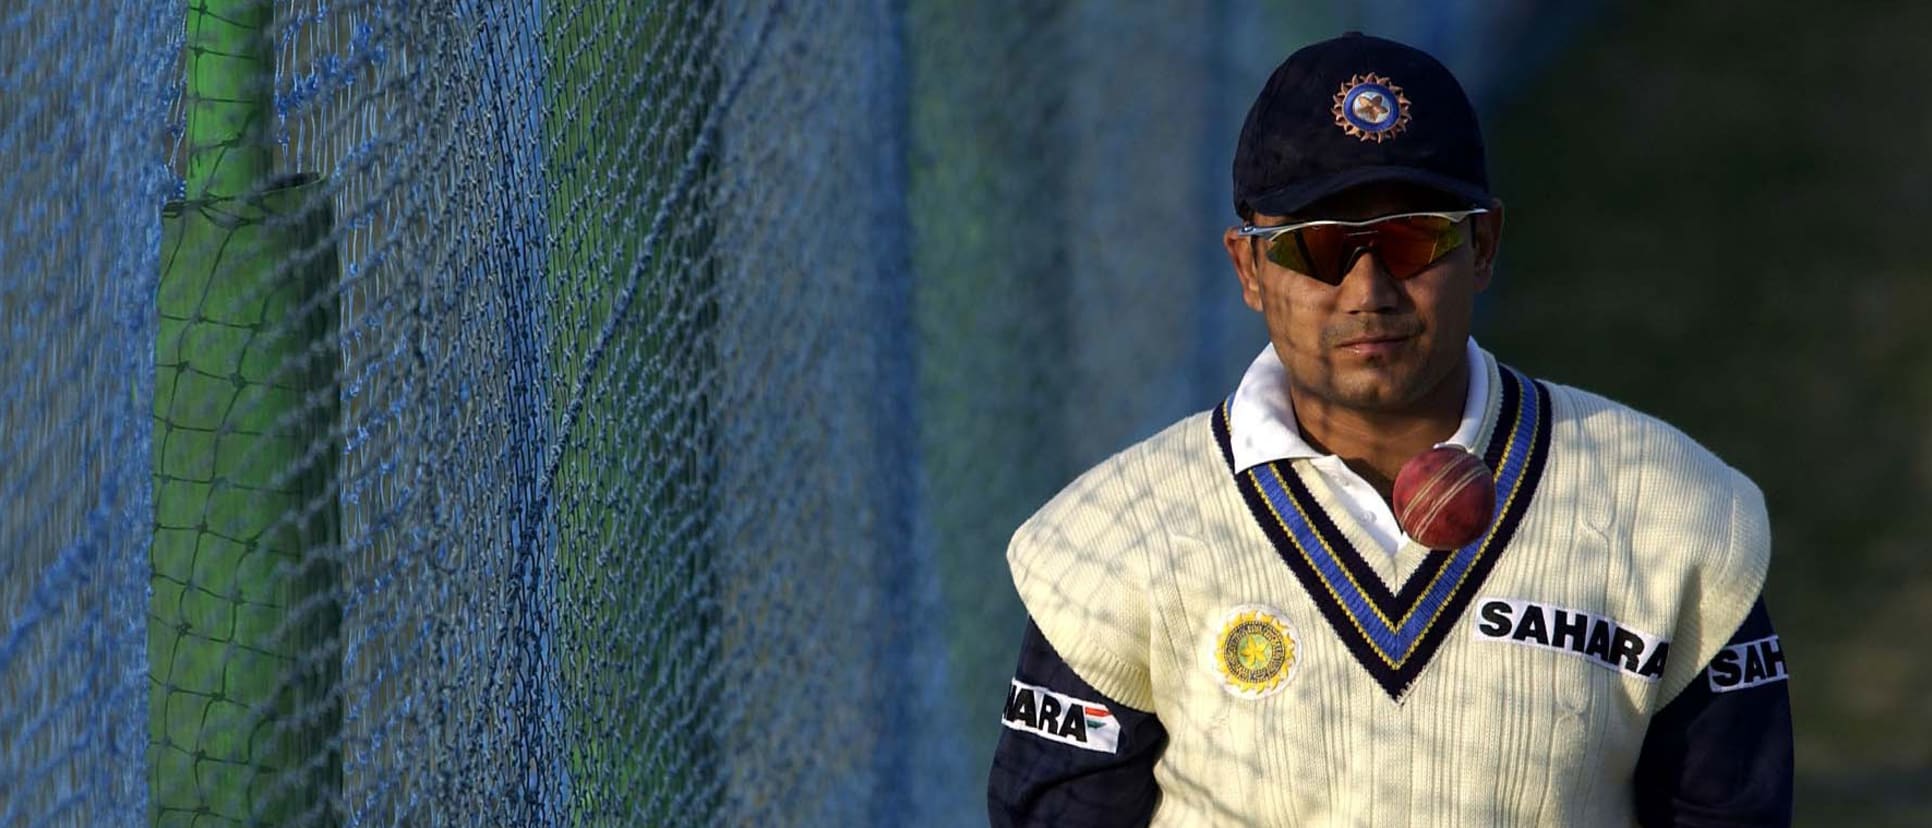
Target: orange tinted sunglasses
<point>1406,243</point>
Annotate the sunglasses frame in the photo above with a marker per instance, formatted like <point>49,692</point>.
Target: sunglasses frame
<point>1269,234</point>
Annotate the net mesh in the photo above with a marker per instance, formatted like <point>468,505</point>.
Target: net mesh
<point>599,413</point>
<point>78,234</point>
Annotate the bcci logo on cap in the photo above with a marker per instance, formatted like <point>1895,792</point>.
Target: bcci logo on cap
<point>1371,108</point>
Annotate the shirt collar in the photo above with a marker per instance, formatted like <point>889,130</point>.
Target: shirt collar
<point>1261,419</point>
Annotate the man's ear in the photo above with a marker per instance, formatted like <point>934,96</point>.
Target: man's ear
<point>1489,238</point>
<point>1241,256</point>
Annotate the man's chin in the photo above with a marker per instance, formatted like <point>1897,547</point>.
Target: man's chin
<point>1377,390</point>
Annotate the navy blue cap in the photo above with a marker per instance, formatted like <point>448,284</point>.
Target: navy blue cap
<point>1356,110</point>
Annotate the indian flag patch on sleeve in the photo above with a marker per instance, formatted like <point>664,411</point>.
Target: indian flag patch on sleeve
<point>1087,725</point>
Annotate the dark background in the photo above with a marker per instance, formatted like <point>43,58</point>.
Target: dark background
<point>1717,214</point>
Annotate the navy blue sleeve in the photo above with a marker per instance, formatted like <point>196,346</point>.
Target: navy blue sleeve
<point>1720,753</point>
<point>1068,755</point>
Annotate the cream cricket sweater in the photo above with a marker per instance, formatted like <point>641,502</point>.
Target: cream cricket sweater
<point>1303,683</point>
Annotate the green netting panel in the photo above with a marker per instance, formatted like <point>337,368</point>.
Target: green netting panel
<point>636,540</point>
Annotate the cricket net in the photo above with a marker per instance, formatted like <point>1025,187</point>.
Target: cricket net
<point>590,413</point>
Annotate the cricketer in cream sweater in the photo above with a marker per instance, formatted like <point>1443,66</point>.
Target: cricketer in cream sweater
<point>1226,625</point>
<point>1521,689</point>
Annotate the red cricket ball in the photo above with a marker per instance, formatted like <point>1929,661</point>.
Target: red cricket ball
<point>1445,497</point>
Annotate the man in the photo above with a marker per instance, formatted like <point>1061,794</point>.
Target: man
<point>1228,627</point>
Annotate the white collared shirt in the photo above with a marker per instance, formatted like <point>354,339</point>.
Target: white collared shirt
<point>1261,420</point>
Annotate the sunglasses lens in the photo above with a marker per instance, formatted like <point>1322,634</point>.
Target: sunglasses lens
<point>1406,246</point>
<point>1317,252</point>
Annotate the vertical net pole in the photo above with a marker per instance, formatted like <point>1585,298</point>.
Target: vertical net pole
<point>230,96</point>
<point>243,617</point>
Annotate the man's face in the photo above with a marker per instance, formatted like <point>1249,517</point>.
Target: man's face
<point>1372,342</point>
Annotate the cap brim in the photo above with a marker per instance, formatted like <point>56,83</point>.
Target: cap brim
<point>1288,201</point>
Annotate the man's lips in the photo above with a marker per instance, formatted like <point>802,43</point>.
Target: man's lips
<point>1376,345</point>
<point>1373,340</point>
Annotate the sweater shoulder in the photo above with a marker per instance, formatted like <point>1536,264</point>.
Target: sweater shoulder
<point>1696,528</point>
<point>1633,442</point>
<point>1081,563</point>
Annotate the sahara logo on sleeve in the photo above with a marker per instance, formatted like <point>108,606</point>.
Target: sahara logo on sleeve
<point>1750,664</point>
<point>1062,718</point>
<point>1589,636</point>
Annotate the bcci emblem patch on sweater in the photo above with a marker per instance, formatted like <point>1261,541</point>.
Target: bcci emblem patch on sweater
<point>1588,636</point>
<point>1058,717</point>
<point>1254,652</point>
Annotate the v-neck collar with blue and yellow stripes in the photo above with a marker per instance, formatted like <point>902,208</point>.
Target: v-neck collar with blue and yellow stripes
<point>1394,634</point>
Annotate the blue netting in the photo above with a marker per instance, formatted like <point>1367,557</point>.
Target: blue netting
<point>78,244</point>
<point>621,424</point>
